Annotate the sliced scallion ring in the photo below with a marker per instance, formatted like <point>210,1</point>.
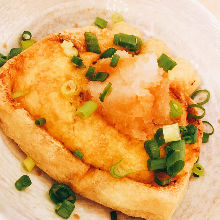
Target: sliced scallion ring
<point>27,43</point>
<point>152,149</point>
<point>113,215</point>
<point>196,116</point>
<point>201,96</point>
<point>159,137</point>
<point>90,72</point>
<point>198,170</point>
<point>116,17</point>
<point>108,53</point>
<point>87,109</point>
<point>100,22</point>
<point>205,138</point>
<point>175,109</point>
<point>114,60</point>
<point>19,94</point>
<point>78,61</point>
<point>65,209</point>
<point>207,127</point>
<point>115,173</point>
<point>160,181</point>
<point>14,52</point>
<point>40,121</point>
<point>156,164</point>
<point>100,76</point>
<point>107,90</point>
<point>166,62</point>
<point>26,35</point>
<point>69,88</point>
<point>92,42</point>
<point>23,182</point>
<point>78,154</point>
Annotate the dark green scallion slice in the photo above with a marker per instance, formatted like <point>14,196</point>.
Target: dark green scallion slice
<point>201,96</point>
<point>100,76</point>
<point>114,60</point>
<point>26,44</point>
<point>160,181</point>
<point>92,42</point>
<point>65,209</point>
<point>205,138</point>
<point>159,137</point>
<point>152,149</point>
<point>78,154</point>
<point>207,127</point>
<point>113,215</point>
<point>78,61</point>
<point>23,182</point>
<point>175,109</point>
<point>196,116</point>
<point>166,62</point>
<point>105,92</point>
<point>156,164</point>
<point>26,35</point>
<point>60,192</point>
<point>189,134</point>
<point>108,53</point>
<point>40,121</point>
<point>3,59</point>
<point>14,52</point>
<point>100,22</point>
<point>198,170</point>
<point>130,42</point>
<point>90,72</point>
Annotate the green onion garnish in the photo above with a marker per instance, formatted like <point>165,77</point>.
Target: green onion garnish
<point>161,182</point>
<point>19,94</point>
<point>156,164</point>
<point>23,182</point>
<point>100,22</point>
<point>40,121</point>
<point>175,157</point>
<point>207,127</point>
<point>26,35</point>
<point>26,44</point>
<point>100,76</point>
<point>3,59</point>
<point>196,116</point>
<point>28,164</point>
<point>114,60</point>
<point>201,96</point>
<point>116,17</point>
<point>108,53</point>
<point>115,173</point>
<point>14,52</point>
<point>171,133</point>
<point>152,149</point>
<point>105,92</point>
<point>78,154</point>
<point>205,138</point>
<point>60,192</point>
<point>166,62</point>
<point>159,137</point>
<point>131,42</point>
<point>92,42</point>
<point>78,61</point>
<point>87,109</point>
<point>198,170</point>
<point>90,72</point>
<point>175,109</point>
<point>189,133</point>
<point>113,215</point>
<point>65,209</point>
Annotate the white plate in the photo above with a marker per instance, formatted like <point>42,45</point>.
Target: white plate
<point>188,29</point>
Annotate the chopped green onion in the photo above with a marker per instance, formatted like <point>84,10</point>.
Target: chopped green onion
<point>201,96</point>
<point>3,59</point>
<point>78,61</point>
<point>60,192</point>
<point>69,88</point>
<point>208,126</point>
<point>19,94</point>
<point>161,182</point>
<point>116,17</point>
<point>100,22</point>
<point>22,183</point>
<point>90,72</point>
<point>28,164</point>
<point>152,149</point>
<point>198,170</point>
<point>156,164</point>
<point>100,76</point>
<point>175,157</point>
<point>159,137</point>
<point>115,173</point>
<point>205,138</point>
<point>131,42</point>
<point>92,42</point>
<point>114,60</point>
<point>166,62</point>
<point>171,133</point>
<point>78,154</point>
<point>26,35</point>
<point>69,49</point>
<point>87,109</point>
<point>113,215</point>
<point>108,53</point>
<point>40,121</point>
<point>175,109</point>
<point>27,43</point>
<point>105,92</point>
<point>65,209</point>
<point>190,134</point>
<point>196,116</point>
<point>14,52</point>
